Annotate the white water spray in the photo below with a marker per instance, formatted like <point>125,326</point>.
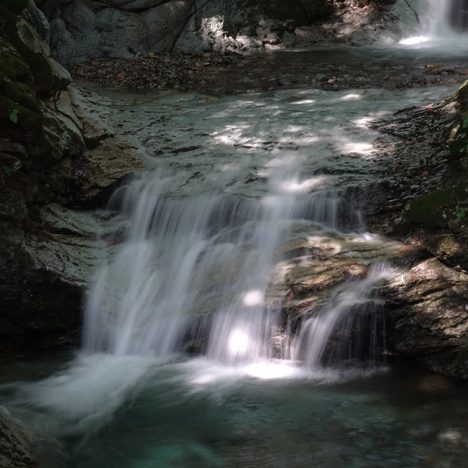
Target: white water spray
<point>353,310</point>
<point>204,260</point>
<point>442,26</point>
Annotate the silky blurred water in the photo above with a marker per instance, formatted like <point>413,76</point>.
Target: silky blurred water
<point>195,414</point>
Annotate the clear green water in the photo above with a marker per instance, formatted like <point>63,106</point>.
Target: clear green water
<point>198,414</point>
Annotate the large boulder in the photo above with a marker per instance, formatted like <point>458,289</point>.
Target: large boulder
<point>430,316</point>
<point>87,29</point>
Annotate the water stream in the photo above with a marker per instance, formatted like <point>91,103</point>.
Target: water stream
<point>191,253</point>
<point>195,253</point>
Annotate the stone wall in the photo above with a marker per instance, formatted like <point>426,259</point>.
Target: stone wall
<point>87,29</point>
<point>56,158</point>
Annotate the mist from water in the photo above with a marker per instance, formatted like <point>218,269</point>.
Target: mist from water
<point>438,27</point>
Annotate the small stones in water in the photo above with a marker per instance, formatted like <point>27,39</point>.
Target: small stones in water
<point>154,71</point>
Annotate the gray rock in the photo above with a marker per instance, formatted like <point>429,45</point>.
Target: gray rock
<point>431,316</point>
<point>16,444</point>
<point>83,30</point>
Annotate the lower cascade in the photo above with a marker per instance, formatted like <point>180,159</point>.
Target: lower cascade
<point>195,273</point>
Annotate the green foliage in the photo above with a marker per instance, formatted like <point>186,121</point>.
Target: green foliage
<point>460,212</point>
<point>465,122</point>
<point>13,115</point>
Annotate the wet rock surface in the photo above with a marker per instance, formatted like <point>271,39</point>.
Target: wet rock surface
<point>50,234</point>
<point>84,30</point>
<point>431,316</point>
<point>92,139</point>
<point>57,160</point>
<point>384,161</point>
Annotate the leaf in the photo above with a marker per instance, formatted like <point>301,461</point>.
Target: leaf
<point>465,122</point>
<point>13,116</point>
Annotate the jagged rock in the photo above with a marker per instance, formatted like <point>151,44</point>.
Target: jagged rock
<point>450,248</point>
<point>430,313</point>
<point>55,152</point>
<point>89,29</point>
<point>16,445</point>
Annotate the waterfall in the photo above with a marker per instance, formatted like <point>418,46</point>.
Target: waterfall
<point>436,21</point>
<point>192,260</point>
<point>197,270</point>
<point>332,336</point>
<point>443,22</point>
<point>204,260</point>
<point>458,15</point>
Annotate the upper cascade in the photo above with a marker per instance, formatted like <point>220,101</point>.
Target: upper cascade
<point>442,22</point>
<point>457,14</point>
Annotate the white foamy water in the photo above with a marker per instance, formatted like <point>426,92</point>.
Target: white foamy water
<point>441,27</point>
<point>186,258</point>
<point>352,310</point>
<point>194,246</point>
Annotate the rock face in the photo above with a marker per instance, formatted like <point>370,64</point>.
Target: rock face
<point>55,156</point>
<point>441,216</point>
<point>428,299</point>
<point>16,445</point>
<point>425,301</point>
<point>87,29</point>
<point>430,314</point>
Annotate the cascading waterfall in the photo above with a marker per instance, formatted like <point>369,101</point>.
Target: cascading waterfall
<point>204,263</point>
<point>205,259</point>
<point>443,22</point>
<point>436,21</point>
<point>350,327</point>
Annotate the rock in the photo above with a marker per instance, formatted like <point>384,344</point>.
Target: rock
<point>55,152</point>
<point>451,248</point>
<point>16,445</point>
<point>316,265</point>
<point>430,316</point>
<point>86,30</point>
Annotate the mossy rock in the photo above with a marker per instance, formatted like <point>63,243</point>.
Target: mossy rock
<point>17,119</point>
<point>458,140</point>
<point>20,93</point>
<point>49,76</point>
<point>12,66</point>
<point>438,208</point>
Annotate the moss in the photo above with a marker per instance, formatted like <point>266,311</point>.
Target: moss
<point>437,208</point>
<point>431,209</point>
<point>458,140</point>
